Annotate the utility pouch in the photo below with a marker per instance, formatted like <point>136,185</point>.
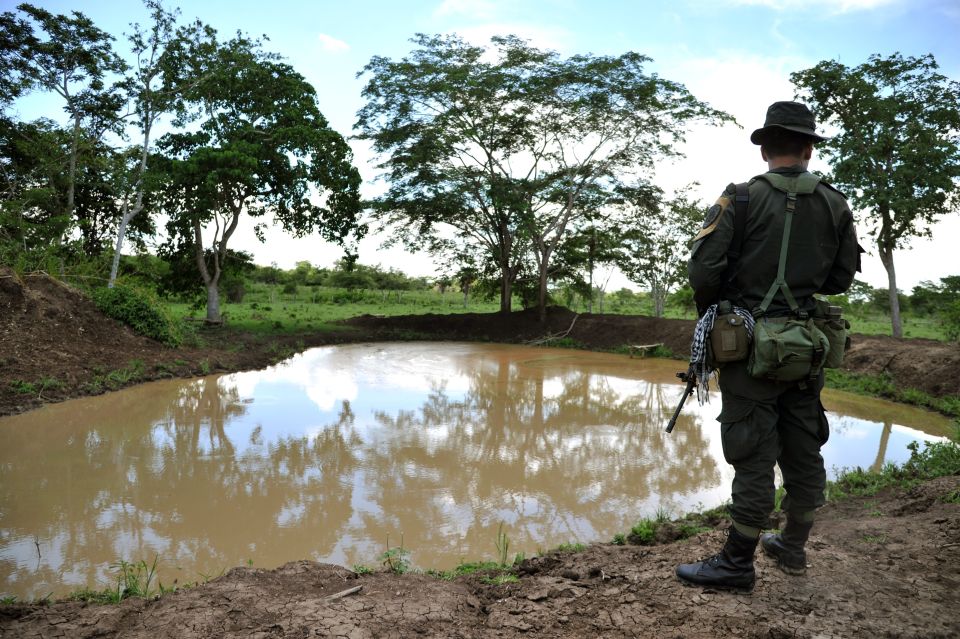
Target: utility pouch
<point>830,321</point>
<point>787,349</point>
<point>728,339</point>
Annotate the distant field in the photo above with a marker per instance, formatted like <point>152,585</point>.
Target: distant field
<point>265,308</point>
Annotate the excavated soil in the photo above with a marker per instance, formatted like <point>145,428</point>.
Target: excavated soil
<point>879,567</point>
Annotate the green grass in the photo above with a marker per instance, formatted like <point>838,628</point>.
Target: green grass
<point>884,386</point>
<point>133,580</point>
<point>934,459</point>
<point>570,547</point>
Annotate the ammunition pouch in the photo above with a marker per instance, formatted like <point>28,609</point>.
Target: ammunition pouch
<point>729,341</point>
<point>787,349</point>
<point>829,320</point>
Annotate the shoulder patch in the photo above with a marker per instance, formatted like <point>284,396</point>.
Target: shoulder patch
<point>713,217</point>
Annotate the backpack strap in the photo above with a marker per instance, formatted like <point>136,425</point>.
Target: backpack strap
<point>741,206</point>
<point>805,183</point>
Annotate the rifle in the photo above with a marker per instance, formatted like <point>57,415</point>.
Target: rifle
<point>690,377</point>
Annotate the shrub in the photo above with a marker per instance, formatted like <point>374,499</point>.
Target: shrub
<point>140,310</point>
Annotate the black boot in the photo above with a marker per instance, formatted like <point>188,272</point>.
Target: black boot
<point>730,569</point>
<point>787,547</point>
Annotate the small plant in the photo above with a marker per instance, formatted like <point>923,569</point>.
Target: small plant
<point>204,366</point>
<point>619,539</point>
<point>360,569</point>
<point>519,558</point>
<point>7,600</point>
<point>571,547</point>
<point>875,539</point>
<point>22,387</point>
<point>643,533</point>
<point>503,545</point>
<point>502,578</point>
<point>396,560</point>
<point>951,497</point>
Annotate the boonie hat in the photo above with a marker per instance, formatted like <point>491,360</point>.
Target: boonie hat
<point>791,116</point>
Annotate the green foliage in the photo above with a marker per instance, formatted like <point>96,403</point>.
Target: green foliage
<point>570,547</point>
<point>500,143</point>
<point>397,559</point>
<point>502,578</point>
<point>897,149</point>
<point>133,580</point>
<point>360,569</point>
<point>935,459</point>
<point>884,386</point>
<point>643,532</point>
<point>619,539</point>
<point>139,309</point>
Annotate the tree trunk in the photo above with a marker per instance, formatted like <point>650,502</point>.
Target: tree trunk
<point>886,257</point>
<point>128,213</point>
<point>506,288</point>
<point>213,302</point>
<point>542,292</point>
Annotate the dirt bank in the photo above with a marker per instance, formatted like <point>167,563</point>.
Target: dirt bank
<point>879,567</point>
<point>55,344</point>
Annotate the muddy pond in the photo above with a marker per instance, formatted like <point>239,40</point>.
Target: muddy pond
<point>342,452</point>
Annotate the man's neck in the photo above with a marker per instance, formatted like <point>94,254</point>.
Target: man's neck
<point>786,161</point>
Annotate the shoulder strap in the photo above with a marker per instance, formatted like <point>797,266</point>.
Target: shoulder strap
<point>741,206</point>
<point>781,281</point>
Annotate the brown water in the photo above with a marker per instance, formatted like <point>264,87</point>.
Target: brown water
<point>344,451</point>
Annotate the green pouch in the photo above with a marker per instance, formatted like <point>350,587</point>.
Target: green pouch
<point>786,349</point>
<point>828,319</point>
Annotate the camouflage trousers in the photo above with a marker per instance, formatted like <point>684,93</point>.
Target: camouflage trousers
<point>766,423</point>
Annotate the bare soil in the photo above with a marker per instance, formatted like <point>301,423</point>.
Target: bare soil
<point>885,566</point>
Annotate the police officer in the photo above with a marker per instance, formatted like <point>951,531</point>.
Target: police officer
<point>764,422</point>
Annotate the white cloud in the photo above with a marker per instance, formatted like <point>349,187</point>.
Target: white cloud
<point>329,43</point>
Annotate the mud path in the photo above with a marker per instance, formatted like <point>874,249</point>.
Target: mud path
<point>884,566</point>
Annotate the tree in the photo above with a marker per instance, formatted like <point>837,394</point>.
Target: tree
<point>655,236</point>
<point>897,153</point>
<point>511,146</point>
<point>71,57</point>
<point>153,93</point>
<point>260,145</point>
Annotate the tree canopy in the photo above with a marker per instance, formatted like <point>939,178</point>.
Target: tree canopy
<point>259,146</point>
<point>510,147</point>
<point>897,148</point>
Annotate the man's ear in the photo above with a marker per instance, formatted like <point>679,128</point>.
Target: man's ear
<point>808,152</point>
<point>763,154</point>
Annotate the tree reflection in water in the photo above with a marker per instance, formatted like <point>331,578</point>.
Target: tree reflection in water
<point>348,448</point>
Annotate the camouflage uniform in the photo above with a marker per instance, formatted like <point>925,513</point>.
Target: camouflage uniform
<point>765,422</point>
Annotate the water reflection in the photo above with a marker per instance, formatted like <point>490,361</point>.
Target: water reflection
<point>343,448</point>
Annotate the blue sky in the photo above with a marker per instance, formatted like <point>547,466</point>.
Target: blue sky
<point>734,54</point>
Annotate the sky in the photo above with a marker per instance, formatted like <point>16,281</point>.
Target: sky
<point>735,55</point>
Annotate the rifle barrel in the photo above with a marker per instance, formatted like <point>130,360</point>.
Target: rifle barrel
<point>686,393</point>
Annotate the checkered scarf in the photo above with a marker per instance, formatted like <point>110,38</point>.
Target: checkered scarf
<point>698,348</point>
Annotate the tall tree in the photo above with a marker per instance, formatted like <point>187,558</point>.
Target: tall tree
<point>259,146</point>
<point>655,233</point>
<point>152,92</point>
<point>71,57</point>
<point>897,153</point>
<point>502,145</point>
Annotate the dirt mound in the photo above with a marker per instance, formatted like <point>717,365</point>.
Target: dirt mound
<point>924,364</point>
<point>54,339</point>
<point>883,566</point>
